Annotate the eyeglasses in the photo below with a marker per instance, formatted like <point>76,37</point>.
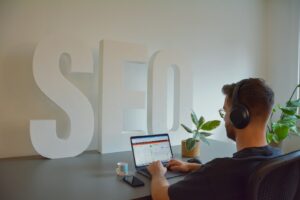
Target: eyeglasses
<point>222,113</point>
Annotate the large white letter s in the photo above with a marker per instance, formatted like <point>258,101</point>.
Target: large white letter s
<point>51,81</point>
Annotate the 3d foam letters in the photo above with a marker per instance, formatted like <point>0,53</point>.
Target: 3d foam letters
<point>50,80</point>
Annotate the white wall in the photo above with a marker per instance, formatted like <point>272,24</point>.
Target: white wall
<point>224,41</point>
<point>282,37</point>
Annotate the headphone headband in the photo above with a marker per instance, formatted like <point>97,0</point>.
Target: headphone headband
<point>235,93</point>
<point>239,115</point>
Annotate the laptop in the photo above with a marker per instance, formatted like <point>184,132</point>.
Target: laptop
<point>149,148</point>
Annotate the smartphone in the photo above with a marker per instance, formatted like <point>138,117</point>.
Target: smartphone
<point>133,181</point>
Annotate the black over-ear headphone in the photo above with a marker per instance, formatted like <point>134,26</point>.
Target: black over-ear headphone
<point>239,114</point>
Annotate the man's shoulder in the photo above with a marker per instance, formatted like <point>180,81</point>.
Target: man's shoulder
<point>263,152</point>
<point>218,161</point>
<point>250,156</point>
<point>215,166</point>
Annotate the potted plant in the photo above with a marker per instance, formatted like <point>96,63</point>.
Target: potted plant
<point>191,146</point>
<point>278,130</point>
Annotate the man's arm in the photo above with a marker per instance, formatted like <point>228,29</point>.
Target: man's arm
<point>159,188</point>
<point>159,184</point>
<point>178,165</point>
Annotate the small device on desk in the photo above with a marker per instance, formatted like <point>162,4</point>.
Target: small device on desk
<point>133,181</point>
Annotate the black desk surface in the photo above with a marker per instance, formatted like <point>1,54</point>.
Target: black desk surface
<point>90,176</point>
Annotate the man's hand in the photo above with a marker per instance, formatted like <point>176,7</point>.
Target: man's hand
<point>178,165</point>
<point>157,169</point>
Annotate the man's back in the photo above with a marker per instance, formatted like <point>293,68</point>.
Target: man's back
<point>222,178</point>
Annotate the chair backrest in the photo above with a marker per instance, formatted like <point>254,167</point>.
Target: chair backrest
<point>276,179</point>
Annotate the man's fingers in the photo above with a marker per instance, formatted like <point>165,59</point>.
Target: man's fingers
<point>179,168</point>
<point>173,162</point>
<point>175,168</point>
<point>157,163</point>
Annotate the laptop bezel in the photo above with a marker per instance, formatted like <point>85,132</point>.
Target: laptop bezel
<point>147,136</point>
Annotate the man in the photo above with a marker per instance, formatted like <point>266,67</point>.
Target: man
<point>248,105</point>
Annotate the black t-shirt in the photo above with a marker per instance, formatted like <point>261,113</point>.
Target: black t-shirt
<point>222,178</point>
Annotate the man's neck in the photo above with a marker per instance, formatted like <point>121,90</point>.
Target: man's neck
<point>250,138</point>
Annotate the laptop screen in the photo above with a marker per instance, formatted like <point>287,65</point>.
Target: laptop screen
<point>149,148</point>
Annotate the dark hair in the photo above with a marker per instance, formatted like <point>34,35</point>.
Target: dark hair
<point>255,94</point>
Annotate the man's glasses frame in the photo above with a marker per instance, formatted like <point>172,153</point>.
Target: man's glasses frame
<point>222,113</point>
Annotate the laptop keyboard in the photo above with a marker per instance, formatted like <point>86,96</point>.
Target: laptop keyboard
<point>145,170</point>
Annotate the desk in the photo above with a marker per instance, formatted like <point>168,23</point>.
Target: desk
<point>90,176</point>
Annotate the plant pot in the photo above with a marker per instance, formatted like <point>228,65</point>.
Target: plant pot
<point>190,154</point>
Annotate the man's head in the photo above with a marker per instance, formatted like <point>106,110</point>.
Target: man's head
<point>255,96</point>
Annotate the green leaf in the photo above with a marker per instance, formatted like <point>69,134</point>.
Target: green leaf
<point>200,122</point>
<point>275,138</point>
<point>298,134</point>
<point>273,124</point>
<point>287,121</point>
<point>294,129</point>
<point>187,128</point>
<point>269,137</point>
<point>190,144</point>
<point>281,131</point>
<point>196,135</point>
<point>288,110</point>
<point>194,118</point>
<point>298,116</point>
<point>289,117</point>
<point>210,125</point>
<point>205,134</point>
<point>293,103</point>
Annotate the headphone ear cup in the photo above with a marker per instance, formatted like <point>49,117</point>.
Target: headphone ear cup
<point>239,116</point>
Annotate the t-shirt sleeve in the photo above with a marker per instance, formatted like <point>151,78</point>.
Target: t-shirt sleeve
<point>194,186</point>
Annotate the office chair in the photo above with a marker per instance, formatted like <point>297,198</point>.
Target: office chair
<point>276,179</point>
